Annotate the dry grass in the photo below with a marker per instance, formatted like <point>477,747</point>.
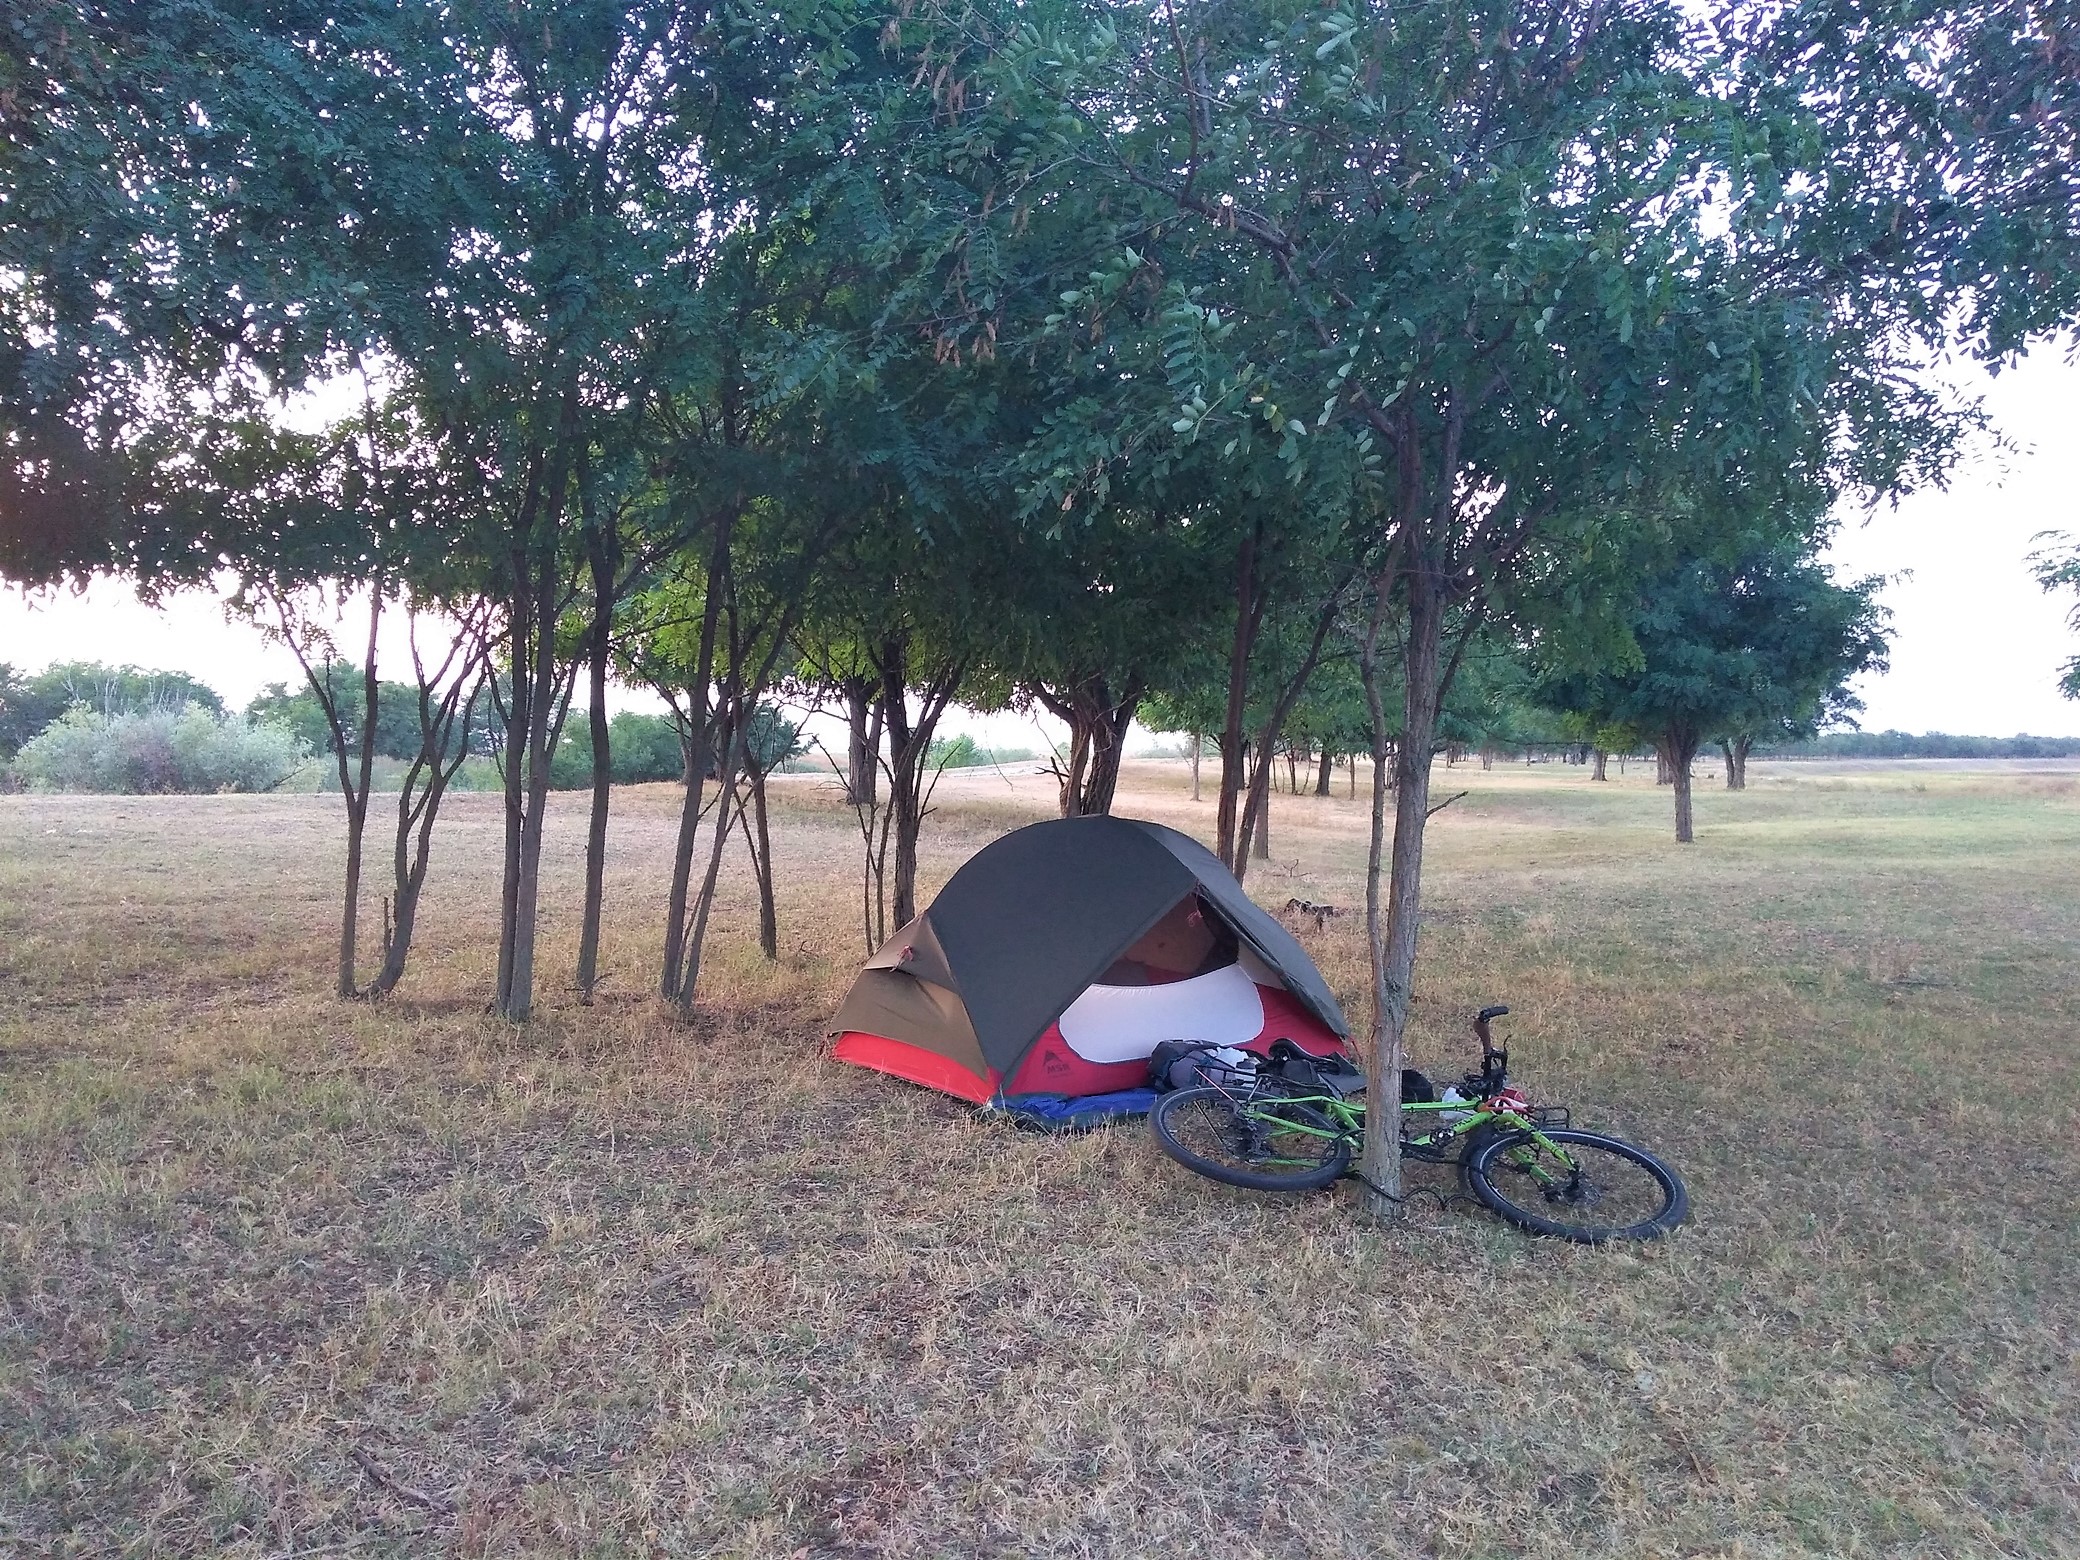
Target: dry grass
<point>285,1277</point>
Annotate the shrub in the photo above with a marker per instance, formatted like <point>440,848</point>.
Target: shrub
<point>190,751</point>
<point>640,748</point>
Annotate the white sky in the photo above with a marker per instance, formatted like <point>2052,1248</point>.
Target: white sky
<point>1976,645</point>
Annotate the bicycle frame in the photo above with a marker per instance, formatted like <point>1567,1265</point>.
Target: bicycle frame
<point>1348,1117</point>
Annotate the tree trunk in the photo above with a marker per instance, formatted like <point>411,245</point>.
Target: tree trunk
<point>862,742</point>
<point>1663,775</point>
<point>768,912</point>
<point>600,556</point>
<point>1260,836</point>
<point>1249,616</point>
<point>909,748</point>
<point>1741,746</point>
<point>1198,741</point>
<point>1267,737</point>
<point>513,773</point>
<point>1392,939</point>
<point>1323,772</point>
<point>1098,719</point>
<point>1600,759</point>
<point>444,735</point>
<point>516,998</point>
<point>357,795</point>
<point>698,738</point>
<point>732,726</point>
<point>1678,750</point>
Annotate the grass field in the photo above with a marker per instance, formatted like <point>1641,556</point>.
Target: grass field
<point>282,1276</point>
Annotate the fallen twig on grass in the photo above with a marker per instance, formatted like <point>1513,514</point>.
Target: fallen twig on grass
<point>382,1476</point>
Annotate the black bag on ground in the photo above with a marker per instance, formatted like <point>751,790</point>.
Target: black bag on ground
<point>1180,1064</point>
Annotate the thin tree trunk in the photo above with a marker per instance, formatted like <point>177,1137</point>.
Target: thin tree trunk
<point>1260,833</point>
<point>356,778</point>
<point>704,901</point>
<point>1322,774</point>
<point>1393,945</point>
<point>1663,774</point>
<point>699,743</point>
<point>512,755</point>
<point>1741,748</point>
<point>1198,740</point>
<point>1249,616</point>
<point>1267,737</point>
<point>517,1005</point>
<point>600,647</point>
<point>444,733</point>
<point>1600,759</point>
<point>357,806</point>
<point>768,912</point>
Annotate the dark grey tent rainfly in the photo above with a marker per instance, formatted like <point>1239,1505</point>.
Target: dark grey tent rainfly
<point>958,998</point>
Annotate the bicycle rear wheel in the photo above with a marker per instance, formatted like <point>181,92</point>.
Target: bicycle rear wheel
<point>1586,1187</point>
<point>1256,1141</point>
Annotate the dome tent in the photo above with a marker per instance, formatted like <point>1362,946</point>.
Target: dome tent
<point>1060,955</point>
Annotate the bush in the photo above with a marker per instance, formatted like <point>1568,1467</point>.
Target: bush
<point>640,748</point>
<point>192,751</point>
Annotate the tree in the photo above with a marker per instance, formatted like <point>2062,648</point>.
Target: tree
<point>1485,258</point>
<point>770,742</point>
<point>29,704</point>
<point>1092,619</point>
<point>302,711</point>
<point>1764,644</point>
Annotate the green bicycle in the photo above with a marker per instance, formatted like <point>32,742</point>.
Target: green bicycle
<point>1295,1126</point>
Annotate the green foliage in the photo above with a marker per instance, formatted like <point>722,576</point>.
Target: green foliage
<point>25,709</point>
<point>1762,648</point>
<point>641,748</point>
<point>646,748</point>
<point>29,704</point>
<point>155,751</point>
<point>397,712</point>
<point>1942,155</point>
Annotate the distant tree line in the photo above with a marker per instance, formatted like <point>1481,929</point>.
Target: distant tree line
<point>1930,744</point>
<point>1324,378</point>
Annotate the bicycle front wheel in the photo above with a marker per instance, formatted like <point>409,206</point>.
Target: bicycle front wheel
<point>1579,1186</point>
<point>1259,1142</point>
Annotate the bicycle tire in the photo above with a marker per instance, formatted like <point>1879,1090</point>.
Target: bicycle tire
<point>1185,1119</point>
<point>1488,1159</point>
